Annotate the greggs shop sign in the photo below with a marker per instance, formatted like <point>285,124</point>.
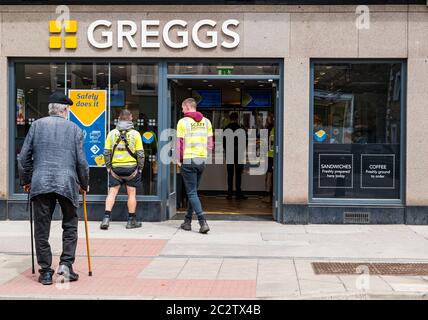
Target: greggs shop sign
<point>150,34</point>
<point>175,34</point>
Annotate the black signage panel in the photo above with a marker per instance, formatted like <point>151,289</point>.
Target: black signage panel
<point>377,171</point>
<point>335,171</point>
<point>358,171</point>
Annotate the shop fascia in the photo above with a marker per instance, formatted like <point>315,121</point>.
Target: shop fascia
<point>126,30</point>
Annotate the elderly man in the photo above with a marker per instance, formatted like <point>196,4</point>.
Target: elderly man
<point>53,168</point>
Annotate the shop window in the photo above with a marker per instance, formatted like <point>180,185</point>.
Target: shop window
<point>135,87</point>
<point>95,76</point>
<point>356,130</point>
<point>132,86</point>
<point>35,82</point>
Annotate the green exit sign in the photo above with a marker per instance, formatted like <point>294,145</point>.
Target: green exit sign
<point>225,71</point>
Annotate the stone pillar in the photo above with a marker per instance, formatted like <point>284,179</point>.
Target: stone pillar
<point>296,134</point>
<point>417,111</point>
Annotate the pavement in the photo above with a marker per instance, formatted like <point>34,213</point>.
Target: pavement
<point>236,260</point>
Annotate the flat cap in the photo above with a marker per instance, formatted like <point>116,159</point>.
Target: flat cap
<point>59,97</point>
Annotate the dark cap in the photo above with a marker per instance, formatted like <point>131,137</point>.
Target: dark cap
<point>59,97</point>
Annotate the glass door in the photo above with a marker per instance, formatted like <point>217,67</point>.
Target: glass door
<point>172,168</point>
<point>277,167</point>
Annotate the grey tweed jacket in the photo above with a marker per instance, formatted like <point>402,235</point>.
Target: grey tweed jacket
<point>52,159</point>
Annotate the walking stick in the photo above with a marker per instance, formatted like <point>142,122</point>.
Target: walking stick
<point>30,210</point>
<point>85,216</point>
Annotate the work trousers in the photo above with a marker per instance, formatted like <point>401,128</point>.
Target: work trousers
<point>44,207</point>
<point>236,169</point>
<point>191,174</point>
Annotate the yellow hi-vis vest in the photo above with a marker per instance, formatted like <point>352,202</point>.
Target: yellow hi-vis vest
<point>195,135</point>
<point>271,149</point>
<point>121,157</point>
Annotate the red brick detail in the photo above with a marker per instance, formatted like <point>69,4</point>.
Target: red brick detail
<point>118,277</point>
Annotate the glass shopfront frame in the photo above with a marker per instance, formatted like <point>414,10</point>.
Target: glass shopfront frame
<point>313,199</point>
<point>266,66</point>
<point>69,63</point>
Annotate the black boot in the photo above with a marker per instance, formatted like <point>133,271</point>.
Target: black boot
<point>187,224</point>
<point>106,222</point>
<point>45,277</point>
<point>67,273</point>
<point>133,223</point>
<point>204,225</point>
<point>241,196</point>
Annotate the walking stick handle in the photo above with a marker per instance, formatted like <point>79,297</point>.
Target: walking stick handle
<point>85,216</point>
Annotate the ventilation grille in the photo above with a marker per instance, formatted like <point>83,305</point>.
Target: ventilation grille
<point>390,269</point>
<point>356,217</point>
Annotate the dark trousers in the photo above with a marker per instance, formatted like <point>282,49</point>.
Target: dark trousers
<point>191,174</point>
<point>44,207</point>
<point>234,169</point>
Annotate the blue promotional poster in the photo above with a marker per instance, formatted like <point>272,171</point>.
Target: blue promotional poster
<point>89,113</point>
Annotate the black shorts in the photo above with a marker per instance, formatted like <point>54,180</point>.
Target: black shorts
<point>124,172</point>
<point>270,164</point>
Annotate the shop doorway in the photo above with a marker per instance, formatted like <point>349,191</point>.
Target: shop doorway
<point>253,105</point>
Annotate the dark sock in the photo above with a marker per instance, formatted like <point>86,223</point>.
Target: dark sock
<point>107,213</point>
<point>131,215</point>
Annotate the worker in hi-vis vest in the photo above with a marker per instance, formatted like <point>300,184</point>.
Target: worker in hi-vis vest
<point>124,159</point>
<point>194,139</point>
<point>270,125</point>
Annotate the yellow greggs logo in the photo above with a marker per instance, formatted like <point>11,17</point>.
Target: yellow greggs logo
<point>55,30</point>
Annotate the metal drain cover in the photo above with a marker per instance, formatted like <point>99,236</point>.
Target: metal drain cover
<point>390,269</point>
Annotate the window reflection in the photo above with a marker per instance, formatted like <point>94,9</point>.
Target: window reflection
<point>35,82</point>
<point>357,103</point>
<point>134,87</point>
<point>90,76</point>
<point>356,130</point>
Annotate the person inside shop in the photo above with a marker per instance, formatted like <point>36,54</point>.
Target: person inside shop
<point>270,126</point>
<point>124,160</point>
<point>52,167</point>
<point>194,139</point>
<point>237,167</point>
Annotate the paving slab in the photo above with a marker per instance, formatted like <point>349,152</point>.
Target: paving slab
<point>149,230</point>
<point>277,278</point>
<point>22,244</point>
<point>421,230</point>
<point>227,250</point>
<point>407,284</point>
<point>12,266</point>
<point>21,228</point>
<point>239,269</point>
<point>365,284</point>
<point>310,283</point>
<point>308,287</point>
<point>163,268</point>
<point>200,268</point>
<point>282,238</point>
<point>216,236</point>
<point>335,229</point>
<point>252,226</point>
